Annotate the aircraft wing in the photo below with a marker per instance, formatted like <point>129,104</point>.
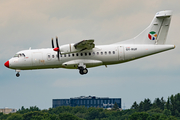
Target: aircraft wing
<point>85,45</point>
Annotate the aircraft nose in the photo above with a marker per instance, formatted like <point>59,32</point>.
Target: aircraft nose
<point>6,64</point>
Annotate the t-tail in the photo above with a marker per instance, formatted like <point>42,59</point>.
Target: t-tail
<point>156,32</point>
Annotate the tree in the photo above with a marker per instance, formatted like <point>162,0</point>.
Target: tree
<point>115,107</point>
<point>147,104</point>
<point>15,116</point>
<point>134,106</point>
<point>141,106</point>
<point>92,113</point>
<point>167,112</point>
<point>167,105</point>
<point>37,115</point>
<point>68,116</point>
<point>139,116</point>
<point>159,103</point>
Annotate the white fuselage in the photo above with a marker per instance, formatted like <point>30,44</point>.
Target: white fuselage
<point>100,55</point>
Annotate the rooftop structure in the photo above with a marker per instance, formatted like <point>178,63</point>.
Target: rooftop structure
<point>88,101</point>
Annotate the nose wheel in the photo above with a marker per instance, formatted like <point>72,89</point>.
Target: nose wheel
<point>17,74</point>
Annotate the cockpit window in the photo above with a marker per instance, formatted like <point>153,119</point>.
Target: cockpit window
<point>16,55</point>
<point>19,55</point>
<point>23,54</point>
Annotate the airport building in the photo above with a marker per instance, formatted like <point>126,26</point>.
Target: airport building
<point>90,101</point>
<point>7,110</point>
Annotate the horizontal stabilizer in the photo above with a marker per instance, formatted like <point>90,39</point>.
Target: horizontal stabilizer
<point>163,14</point>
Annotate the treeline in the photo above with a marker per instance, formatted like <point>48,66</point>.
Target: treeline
<point>159,109</point>
<point>171,107</point>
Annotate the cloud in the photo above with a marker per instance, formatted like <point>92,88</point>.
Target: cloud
<point>25,24</point>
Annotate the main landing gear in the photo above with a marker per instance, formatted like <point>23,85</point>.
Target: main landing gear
<point>83,70</point>
<point>17,74</point>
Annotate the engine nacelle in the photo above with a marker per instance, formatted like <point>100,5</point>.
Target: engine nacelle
<point>68,48</point>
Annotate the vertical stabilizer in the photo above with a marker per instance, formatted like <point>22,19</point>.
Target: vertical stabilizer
<point>156,32</point>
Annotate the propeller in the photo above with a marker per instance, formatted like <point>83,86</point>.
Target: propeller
<point>52,43</point>
<point>57,47</point>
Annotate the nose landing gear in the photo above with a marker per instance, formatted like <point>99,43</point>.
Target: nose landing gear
<point>17,74</point>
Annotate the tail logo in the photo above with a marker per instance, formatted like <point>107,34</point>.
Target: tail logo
<point>152,35</point>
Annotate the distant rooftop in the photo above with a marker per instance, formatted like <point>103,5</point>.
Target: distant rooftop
<point>89,97</point>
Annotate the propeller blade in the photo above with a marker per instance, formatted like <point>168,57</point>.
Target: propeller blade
<point>52,43</point>
<point>57,48</point>
<point>58,45</point>
<point>58,54</point>
<point>57,42</point>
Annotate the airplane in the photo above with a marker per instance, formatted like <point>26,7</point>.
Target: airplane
<point>85,54</point>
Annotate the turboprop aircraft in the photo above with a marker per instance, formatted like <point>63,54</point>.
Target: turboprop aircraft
<point>86,54</point>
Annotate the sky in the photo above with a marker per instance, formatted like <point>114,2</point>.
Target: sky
<point>25,24</point>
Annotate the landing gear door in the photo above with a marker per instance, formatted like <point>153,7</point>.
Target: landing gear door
<point>121,53</point>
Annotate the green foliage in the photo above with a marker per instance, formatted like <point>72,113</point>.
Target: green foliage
<point>167,112</point>
<point>173,104</point>
<point>115,107</point>
<point>159,103</point>
<point>155,110</point>
<point>145,110</point>
<point>68,116</point>
<point>134,106</point>
<point>139,116</point>
<point>31,109</point>
<point>37,115</point>
<point>15,117</point>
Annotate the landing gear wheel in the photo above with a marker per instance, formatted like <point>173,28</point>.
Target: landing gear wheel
<point>17,74</point>
<point>83,71</point>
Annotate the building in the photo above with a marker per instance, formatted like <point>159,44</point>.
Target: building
<point>90,101</point>
<point>7,110</point>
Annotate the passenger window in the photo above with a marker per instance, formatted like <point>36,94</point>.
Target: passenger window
<point>93,53</point>
<point>109,52</point>
<point>85,54</point>
<point>64,55</point>
<point>89,53</point>
<point>81,54</point>
<point>97,53</point>
<point>113,52</point>
<point>101,53</point>
<point>69,55</point>
<point>73,54</point>
<point>105,53</point>
<point>77,54</point>
<point>52,56</point>
<point>49,56</point>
